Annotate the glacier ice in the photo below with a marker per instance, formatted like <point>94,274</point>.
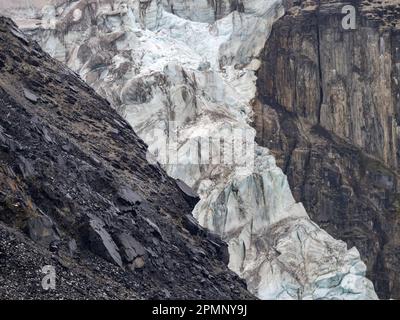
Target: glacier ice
<point>187,69</point>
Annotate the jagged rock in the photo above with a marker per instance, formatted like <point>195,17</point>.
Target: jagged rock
<point>222,249</point>
<point>25,167</point>
<point>101,243</point>
<point>191,197</point>
<point>72,247</point>
<point>41,230</point>
<point>54,246</point>
<point>156,230</point>
<point>191,224</point>
<point>138,263</point>
<point>6,143</point>
<point>30,95</point>
<point>128,196</point>
<point>129,247</point>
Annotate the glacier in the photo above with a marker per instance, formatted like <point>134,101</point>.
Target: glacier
<point>183,74</point>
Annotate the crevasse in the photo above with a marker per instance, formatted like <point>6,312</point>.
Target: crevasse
<point>189,68</point>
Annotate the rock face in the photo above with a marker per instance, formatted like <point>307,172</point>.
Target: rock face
<point>77,193</point>
<point>183,75</point>
<point>329,110</point>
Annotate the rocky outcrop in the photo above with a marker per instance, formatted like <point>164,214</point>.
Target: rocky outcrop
<point>328,109</point>
<point>77,193</point>
<point>185,85</point>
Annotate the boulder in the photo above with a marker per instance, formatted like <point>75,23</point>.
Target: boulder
<point>25,167</point>
<point>101,243</point>
<point>128,197</point>
<point>130,247</point>
<point>41,230</point>
<point>138,263</point>
<point>30,95</point>
<point>191,224</point>
<point>155,228</point>
<point>190,196</point>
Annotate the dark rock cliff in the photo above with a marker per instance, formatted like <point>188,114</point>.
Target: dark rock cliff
<point>77,193</point>
<point>329,109</point>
